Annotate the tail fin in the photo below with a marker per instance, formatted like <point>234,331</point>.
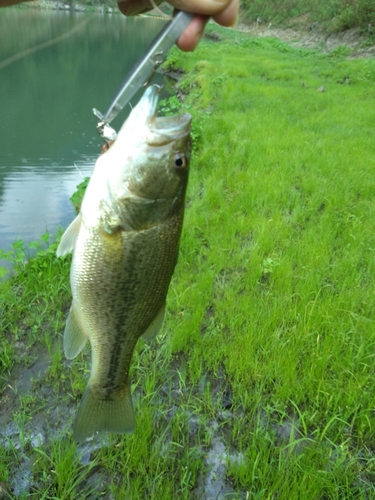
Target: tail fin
<point>97,415</point>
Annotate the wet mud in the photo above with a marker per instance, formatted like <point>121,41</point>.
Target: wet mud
<point>25,434</point>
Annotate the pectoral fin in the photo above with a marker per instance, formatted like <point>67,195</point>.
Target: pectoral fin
<point>155,325</point>
<point>110,415</point>
<point>74,337</point>
<point>69,238</point>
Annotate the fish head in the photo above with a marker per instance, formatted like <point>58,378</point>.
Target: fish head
<point>151,156</point>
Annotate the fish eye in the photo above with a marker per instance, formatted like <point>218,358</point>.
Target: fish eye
<point>179,161</point>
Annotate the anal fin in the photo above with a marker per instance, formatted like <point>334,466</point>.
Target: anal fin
<point>155,325</point>
<point>74,337</point>
<point>97,415</point>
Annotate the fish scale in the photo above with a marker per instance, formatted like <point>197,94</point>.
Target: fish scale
<point>140,289</point>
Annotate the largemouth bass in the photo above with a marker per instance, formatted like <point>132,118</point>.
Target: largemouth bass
<point>125,244</point>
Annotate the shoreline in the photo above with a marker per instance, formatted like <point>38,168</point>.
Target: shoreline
<point>64,6</point>
<point>110,8</point>
<point>297,32</point>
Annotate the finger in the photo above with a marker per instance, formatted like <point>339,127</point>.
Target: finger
<point>228,16</point>
<point>206,7</point>
<point>134,7</point>
<point>192,34</point>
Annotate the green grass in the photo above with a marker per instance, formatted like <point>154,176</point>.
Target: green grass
<point>270,319</point>
<point>32,299</point>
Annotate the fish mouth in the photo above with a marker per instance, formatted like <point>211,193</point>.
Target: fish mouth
<point>162,129</point>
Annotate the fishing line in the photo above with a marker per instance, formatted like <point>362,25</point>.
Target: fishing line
<point>160,12</point>
<point>80,173</point>
<point>43,45</point>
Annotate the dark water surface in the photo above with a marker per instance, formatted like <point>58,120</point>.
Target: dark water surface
<point>54,68</point>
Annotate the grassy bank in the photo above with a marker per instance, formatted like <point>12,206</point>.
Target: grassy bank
<point>336,15</point>
<point>261,382</point>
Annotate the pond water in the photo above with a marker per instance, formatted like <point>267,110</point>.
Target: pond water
<point>54,68</point>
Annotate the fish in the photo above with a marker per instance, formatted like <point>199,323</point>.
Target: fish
<point>125,244</point>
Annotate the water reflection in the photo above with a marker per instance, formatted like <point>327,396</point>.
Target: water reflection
<point>36,200</point>
<point>48,133</point>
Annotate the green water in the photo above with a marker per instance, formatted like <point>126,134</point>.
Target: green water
<point>54,68</point>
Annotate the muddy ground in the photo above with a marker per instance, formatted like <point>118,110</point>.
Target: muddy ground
<point>53,422</point>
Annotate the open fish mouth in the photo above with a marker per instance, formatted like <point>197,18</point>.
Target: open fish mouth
<point>161,129</point>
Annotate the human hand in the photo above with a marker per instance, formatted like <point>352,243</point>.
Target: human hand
<point>224,12</point>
